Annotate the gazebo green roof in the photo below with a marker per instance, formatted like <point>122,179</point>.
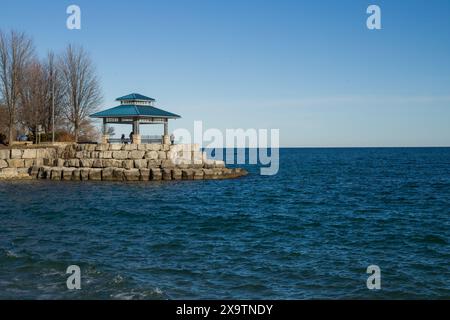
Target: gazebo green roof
<point>133,110</point>
<point>135,96</point>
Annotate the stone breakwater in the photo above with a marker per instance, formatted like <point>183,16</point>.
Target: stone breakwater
<point>113,162</point>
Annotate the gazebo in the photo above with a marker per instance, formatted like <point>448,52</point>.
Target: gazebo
<point>136,109</point>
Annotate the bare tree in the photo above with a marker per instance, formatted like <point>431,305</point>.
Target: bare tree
<point>3,123</point>
<point>41,97</point>
<point>55,93</point>
<point>33,103</point>
<point>88,131</point>
<point>16,52</point>
<point>82,93</point>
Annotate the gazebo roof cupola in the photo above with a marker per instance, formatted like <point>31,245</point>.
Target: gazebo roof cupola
<point>136,99</point>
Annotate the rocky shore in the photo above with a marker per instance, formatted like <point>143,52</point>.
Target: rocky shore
<point>113,162</point>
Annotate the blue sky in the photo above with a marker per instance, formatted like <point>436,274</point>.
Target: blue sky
<point>309,68</point>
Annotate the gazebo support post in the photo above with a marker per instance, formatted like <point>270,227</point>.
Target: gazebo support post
<point>166,138</point>
<point>105,136</point>
<point>136,133</point>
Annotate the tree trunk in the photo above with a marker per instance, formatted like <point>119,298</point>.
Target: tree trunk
<point>76,131</point>
<point>11,138</point>
<point>11,134</point>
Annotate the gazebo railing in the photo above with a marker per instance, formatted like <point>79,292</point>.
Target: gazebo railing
<point>151,139</point>
<point>144,139</point>
<point>119,141</point>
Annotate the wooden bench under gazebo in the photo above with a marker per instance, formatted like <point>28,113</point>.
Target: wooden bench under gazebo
<point>136,109</point>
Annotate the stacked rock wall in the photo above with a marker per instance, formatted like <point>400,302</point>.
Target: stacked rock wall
<point>113,162</point>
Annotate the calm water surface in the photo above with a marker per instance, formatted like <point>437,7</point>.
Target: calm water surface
<point>308,232</point>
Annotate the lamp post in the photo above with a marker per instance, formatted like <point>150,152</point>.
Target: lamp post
<point>53,108</point>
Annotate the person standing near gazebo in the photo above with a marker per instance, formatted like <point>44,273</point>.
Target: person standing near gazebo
<point>131,136</point>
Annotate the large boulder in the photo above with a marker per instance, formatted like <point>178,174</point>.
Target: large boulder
<point>167,164</point>
<point>23,173</point>
<point>115,147</point>
<point>128,164</point>
<point>67,174</point>
<point>84,174</point>
<point>76,174</point>
<point>98,163</point>
<point>34,172</point>
<point>141,164</point>
<point>172,155</point>
<point>47,172</point>
<point>208,173</point>
<point>132,175</point>
<point>162,155</point>
<point>46,153</point>
<point>42,173</point>
<point>95,155</point>
<point>86,163</point>
<point>95,174</point>
<point>105,155</point>
<point>56,173</point>
<point>176,147</point>
<point>8,173</point>
<point>83,154</point>
<point>155,174</point>
<point>112,163</point>
<point>217,173</point>
<point>183,164</point>
<point>144,174</point>
<point>187,174</point>
<point>16,163</point>
<point>227,171</point>
<point>208,164</point>
<point>16,154</point>
<point>4,154</point>
<point>197,155</point>
<point>91,147</point>
<point>3,164</point>
<point>38,162</point>
<point>198,174</point>
<point>107,174</point>
<point>142,147</point>
<point>219,164</point>
<point>197,164</point>
<point>167,174</point>
<point>120,155</point>
<point>176,174</point>
<point>29,154</point>
<point>102,147</point>
<point>152,155</point>
<point>28,163</point>
<point>118,174</point>
<point>72,163</point>
<point>154,163</point>
<point>153,147</point>
<point>136,154</point>
<point>129,147</point>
